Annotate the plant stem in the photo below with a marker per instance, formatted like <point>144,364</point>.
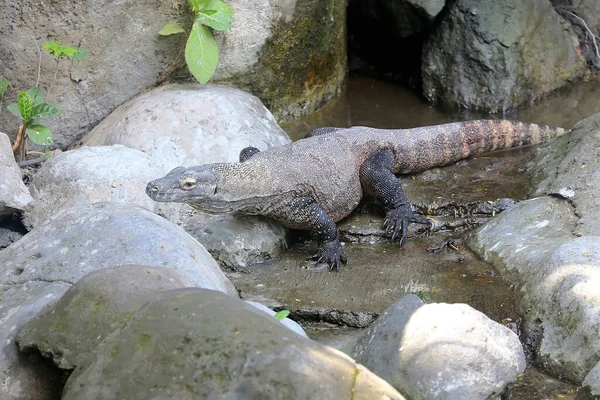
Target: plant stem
<point>37,83</point>
<point>19,139</point>
<point>54,79</point>
<point>589,32</point>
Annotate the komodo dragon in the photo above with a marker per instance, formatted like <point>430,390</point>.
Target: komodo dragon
<point>315,182</point>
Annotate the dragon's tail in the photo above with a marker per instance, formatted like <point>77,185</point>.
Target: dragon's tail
<point>448,143</point>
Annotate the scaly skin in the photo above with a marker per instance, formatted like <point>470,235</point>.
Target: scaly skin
<point>317,181</point>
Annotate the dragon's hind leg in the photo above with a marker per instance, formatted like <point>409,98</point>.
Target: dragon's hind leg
<point>378,180</point>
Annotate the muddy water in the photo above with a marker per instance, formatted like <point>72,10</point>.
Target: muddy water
<point>379,273</point>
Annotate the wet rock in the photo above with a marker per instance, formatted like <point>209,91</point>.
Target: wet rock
<point>79,240</point>
<point>201,124</point>
<point>292,325</point>
<point>126,56</point>
<point>556,276</point>
<point>190,124</point>
<point>71,329</point>
<point>14,196</point>
<point>237,241</point>
<point>441,351</point>
<point>592,381</point>
<point>495,56</point>
<point>548,248</point>
<point>89,175</point>
<point>569,168</point>
<point>291,54</point>
<point>200,343</point>
<point>24,376</point>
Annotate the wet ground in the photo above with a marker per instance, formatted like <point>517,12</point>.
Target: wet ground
<point>457,197</point>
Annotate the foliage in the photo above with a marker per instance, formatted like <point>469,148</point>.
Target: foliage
<point>281,315</point>
<point>201,51</point>
<point>31,107</point>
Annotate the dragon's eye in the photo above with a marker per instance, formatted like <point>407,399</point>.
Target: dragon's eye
<point>187,183</point>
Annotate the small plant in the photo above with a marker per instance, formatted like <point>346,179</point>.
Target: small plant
<point>281,315</point>
<point>30,105</point>
<point>30,108</point>
<point>201,51</point>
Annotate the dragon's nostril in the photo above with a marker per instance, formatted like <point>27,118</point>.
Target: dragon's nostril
<point>154,189</point>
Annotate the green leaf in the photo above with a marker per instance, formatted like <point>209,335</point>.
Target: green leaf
<point>25,105</point>
<point>68,51</point>
<point>43,110</point>
<point>201,53</point>
<point>216,14</point>
<point>171,28</point>
<point>52,48</point>
<point>197,5</point>
<point>40,134</point>
<point>282,314</point>
<point>36,95</point>
<point>3,85</point>
<point>14,109</point>
<point>81,55</point>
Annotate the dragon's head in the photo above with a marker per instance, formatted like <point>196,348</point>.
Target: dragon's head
<point>185,185</point>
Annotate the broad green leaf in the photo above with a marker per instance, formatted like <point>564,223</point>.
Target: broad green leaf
<point>52,48</point>
<point>25,105</point>
<point>3,85</point>
<point>40,134</point>
<point>171,28</point>
<point>201,53</point>
<point>14,109</point>
<point>216,14</point>
<point>43,110</point>
<point>197,5</point>
<point>81,55</point>
<point>282,314</point>
<point>36,95</point>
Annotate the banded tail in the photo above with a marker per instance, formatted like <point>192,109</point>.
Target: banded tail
<point>439,145</point>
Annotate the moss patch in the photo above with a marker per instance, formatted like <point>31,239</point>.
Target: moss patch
<point>303,64</point>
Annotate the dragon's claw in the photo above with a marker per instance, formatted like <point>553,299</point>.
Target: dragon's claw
<point>330,253</point>
<point>396,223</point>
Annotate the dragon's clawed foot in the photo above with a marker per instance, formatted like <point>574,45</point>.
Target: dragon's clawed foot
<point>396,222</point>
<point>330,253</point>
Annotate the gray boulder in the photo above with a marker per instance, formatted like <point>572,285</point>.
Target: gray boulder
<point>14,196</point>
<point>193,343</point>
<point>25,376</point>
<point>79,240</point>
<point>237,241</point>
<point>549,249</point>
<point>71,329</point>
<point>126,56</point>
<point>89,175</point>
<point>556,275</point>
<point>440,351</point>
<point>190,124</point>
<point>497,55</point>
